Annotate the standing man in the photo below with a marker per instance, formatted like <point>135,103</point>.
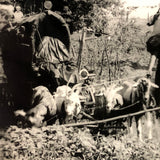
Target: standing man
<point>153,47</point>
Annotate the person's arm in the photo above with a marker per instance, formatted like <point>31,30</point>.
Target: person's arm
<point>155,17</point>
<point>152,63</point>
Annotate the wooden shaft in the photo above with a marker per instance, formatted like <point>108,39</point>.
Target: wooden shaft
<point>152,63</point>
<point>110,119</point>
<point>82,43</point>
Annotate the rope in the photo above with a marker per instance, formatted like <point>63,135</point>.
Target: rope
<point>101,82</point>
<point>131,105</point>
<point>51,118</point>
<point>110,119</point>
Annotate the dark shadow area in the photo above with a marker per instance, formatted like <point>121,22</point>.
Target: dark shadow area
<point>34,52</point>
<point>6,106</point>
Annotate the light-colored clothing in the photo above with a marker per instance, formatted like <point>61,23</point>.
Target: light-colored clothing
<point>18,15</point>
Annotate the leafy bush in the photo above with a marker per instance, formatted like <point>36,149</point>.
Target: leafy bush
<point>59,142</point>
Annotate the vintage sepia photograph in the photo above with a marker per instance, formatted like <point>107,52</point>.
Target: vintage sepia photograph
<point>79,80</point>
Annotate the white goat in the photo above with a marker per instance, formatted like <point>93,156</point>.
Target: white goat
<point>113,98</point>
<point>68,103</point>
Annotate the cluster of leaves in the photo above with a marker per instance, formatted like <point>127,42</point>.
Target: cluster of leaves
<point>58,142</point>
<point>75,12</point>
<point>52,143</point>
<point>78,13</point>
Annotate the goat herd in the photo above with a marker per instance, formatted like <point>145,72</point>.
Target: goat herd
<point>66,103</point>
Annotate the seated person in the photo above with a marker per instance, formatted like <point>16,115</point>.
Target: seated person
<point>18,13</point>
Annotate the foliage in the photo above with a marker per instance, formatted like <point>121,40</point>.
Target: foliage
<point>58,142</point>
<point>75,12</point>
<point>83,13</point>
<point>121,51</point>
<point>78,13</point>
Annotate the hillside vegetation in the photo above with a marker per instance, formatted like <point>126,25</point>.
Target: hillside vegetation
<point>120,54</point>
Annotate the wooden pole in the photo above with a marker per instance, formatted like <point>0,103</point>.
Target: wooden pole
<point>82,43</point>
<point>110,119</point>
<point>148,17</point>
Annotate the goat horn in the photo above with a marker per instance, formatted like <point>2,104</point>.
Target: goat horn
<point>76,86</point>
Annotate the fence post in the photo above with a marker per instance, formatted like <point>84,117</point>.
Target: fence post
<point>82,43</point>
